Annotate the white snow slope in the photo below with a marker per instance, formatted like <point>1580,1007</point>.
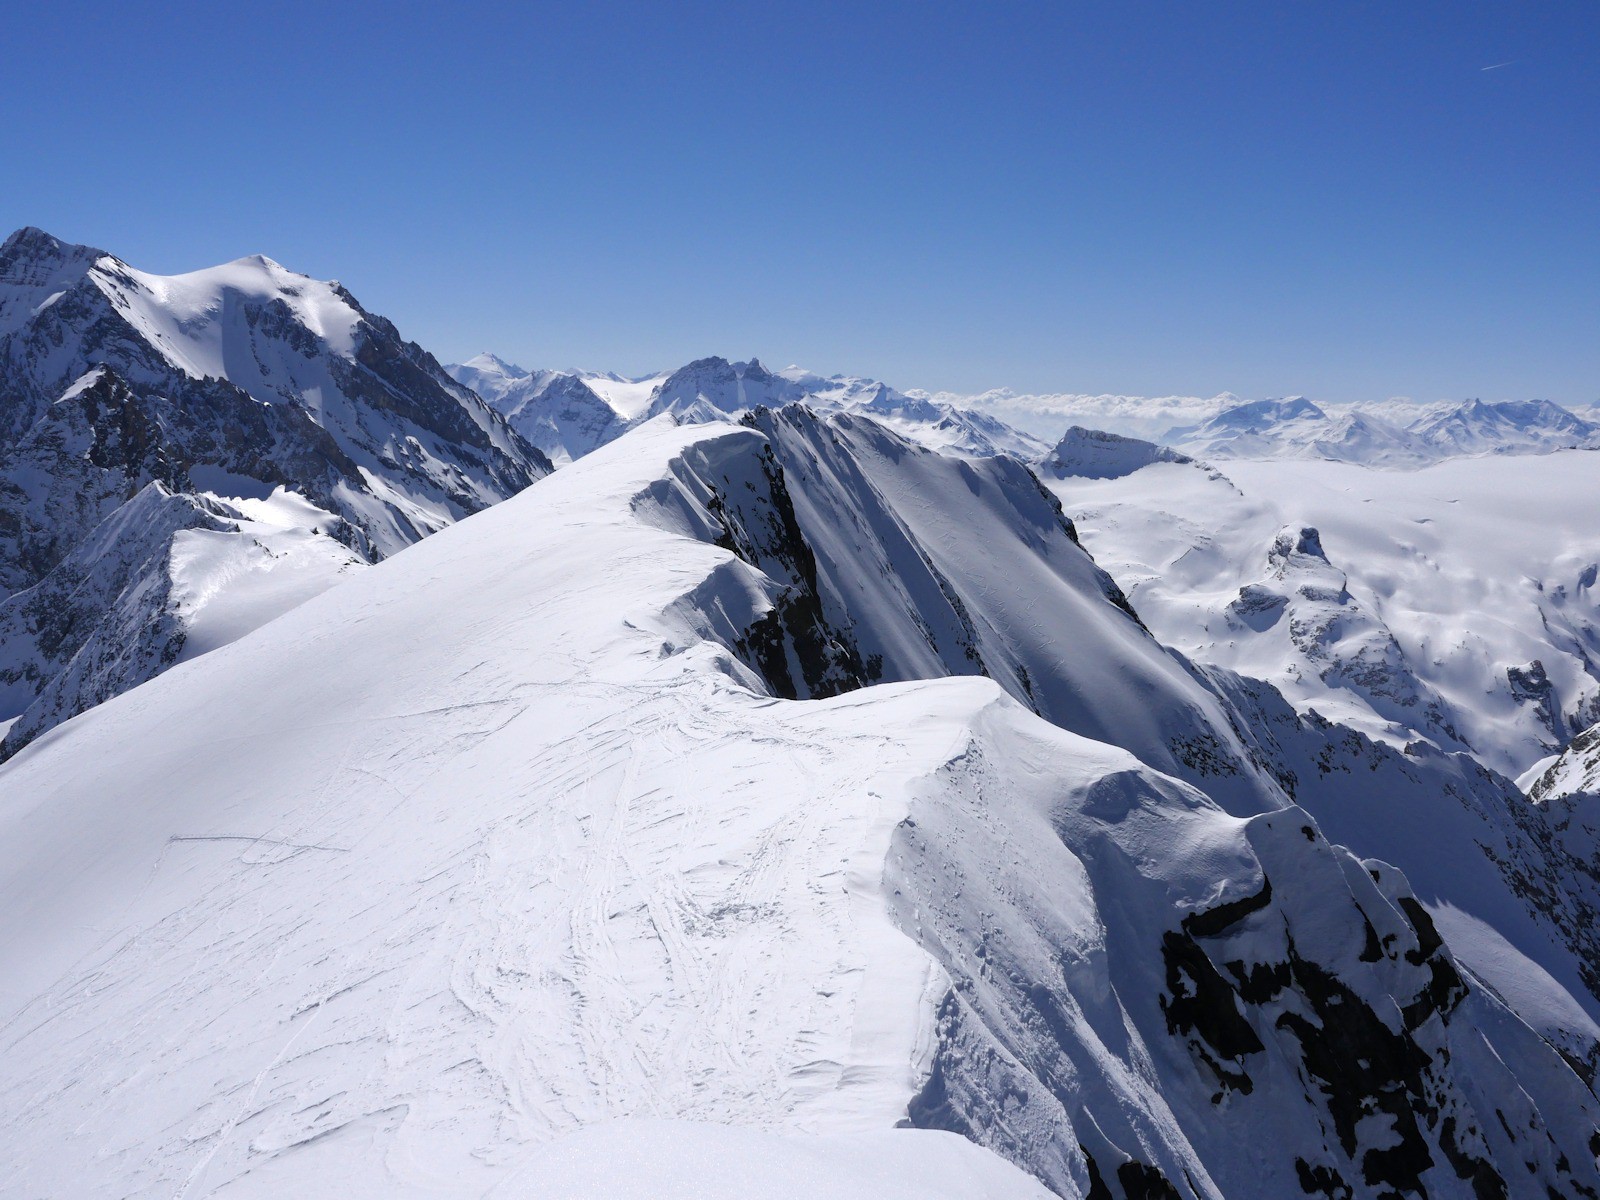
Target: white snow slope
<point>680,1160</point>
<point>445,865</point>
<point>497,841</point>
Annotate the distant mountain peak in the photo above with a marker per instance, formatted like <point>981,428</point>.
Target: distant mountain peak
<point>36,269</point>
<point>1288,408</point>
<point>30,243</point>
<point>260,262</point>
<point>713,362</point>
<point>246,376</point>
<point>490,361</point>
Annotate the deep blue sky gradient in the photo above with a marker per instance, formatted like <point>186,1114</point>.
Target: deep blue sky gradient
<point>1151,198</point>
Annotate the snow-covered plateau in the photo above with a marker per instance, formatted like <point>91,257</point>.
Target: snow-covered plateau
<point>1456,604</point>
<point>476,781</point>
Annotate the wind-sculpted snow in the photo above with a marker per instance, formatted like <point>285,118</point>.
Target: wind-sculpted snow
<point>225,386</point>
<point>889,554</point>
<point>904,548</point>
<point>512,835</point>
<point>864,498</point>
<point>936,565</point>
<point>486,852</point>
<point>1202,1005</point>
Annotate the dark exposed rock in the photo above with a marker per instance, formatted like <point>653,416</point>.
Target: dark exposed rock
<point>793,647</point>
<point>1199,1001</point>
<point>1213,921</point>
<point>1531,685</point>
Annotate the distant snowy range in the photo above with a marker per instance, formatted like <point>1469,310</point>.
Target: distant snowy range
<point>463,780</point>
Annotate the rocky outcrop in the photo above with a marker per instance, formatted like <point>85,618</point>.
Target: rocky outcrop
<point>1095,454</point>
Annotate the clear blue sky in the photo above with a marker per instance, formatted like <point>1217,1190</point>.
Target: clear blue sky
<point>1327,198</point>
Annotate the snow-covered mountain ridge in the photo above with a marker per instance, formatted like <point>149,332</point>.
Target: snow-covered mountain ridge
<point>514,834</point>
<point>1394,437</point>
<point>781,784</point>
<point>569,413</point>
<point>267,416</point>
<point>1395,433</point>
<point>1095,454</point>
